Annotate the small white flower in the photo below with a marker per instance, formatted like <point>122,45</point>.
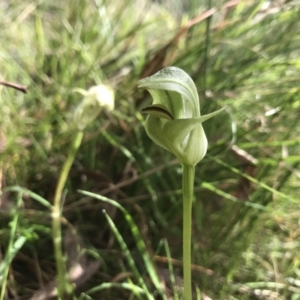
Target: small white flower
<point>95,99</point>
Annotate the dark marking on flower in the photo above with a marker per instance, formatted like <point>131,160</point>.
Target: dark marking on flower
<point>159,111</point>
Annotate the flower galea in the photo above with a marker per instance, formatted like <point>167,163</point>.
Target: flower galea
<point>174,121</point>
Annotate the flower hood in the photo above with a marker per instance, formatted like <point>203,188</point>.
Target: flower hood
<point>174,121</point>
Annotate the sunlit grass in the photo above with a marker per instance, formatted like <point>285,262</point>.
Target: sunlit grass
<point>246,202</point>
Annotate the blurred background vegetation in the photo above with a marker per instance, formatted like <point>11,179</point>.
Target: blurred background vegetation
<point>246,236</point>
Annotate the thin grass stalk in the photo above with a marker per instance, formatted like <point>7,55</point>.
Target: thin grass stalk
<point>137,236</point>
<point>171,270</point>
<point>207,47</point>
<point>187,190</point>
<point>109,285</point>
<point>56,214</point>
<point>29,193</point>
<point>10,249</point>
<point>130,260</point>
<point>255,181</point>
<point>198,294</point>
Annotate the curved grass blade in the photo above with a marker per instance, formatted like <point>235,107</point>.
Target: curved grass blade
<point>171,270</point>
<point>31,194</point>
<point>12,249</point>
<point>128,286</point>
<point>137,236</point>
<point>128,256</point>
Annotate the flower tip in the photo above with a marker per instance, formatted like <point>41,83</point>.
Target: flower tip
<point>94,100</point>
<point>104,94</point>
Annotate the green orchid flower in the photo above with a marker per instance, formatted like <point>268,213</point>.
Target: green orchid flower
<point>174,121</point>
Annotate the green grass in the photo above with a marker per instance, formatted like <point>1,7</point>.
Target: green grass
<point>246,212</point>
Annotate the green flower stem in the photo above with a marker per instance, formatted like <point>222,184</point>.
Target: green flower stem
<point>187,190</point>
<point>56,216</point>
